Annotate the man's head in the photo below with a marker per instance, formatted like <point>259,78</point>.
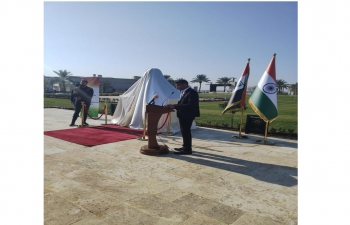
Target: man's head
<point>83,83</point>
<point>181,84</point>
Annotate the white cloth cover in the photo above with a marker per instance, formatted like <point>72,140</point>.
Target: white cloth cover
<point>130,111</point>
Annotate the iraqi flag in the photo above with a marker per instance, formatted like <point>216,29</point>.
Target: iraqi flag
<point>237,100</point>
<point>264,98</point>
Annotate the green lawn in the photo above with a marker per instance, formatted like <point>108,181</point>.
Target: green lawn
<point>287,113</point>
<point>211,112</point>
<point>62,102</point>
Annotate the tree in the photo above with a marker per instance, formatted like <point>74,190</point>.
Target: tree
<point>224,81</point>
<point>199,79</point>
<point>169,79</point>
<point>104,86</point>
<point>46,82</point>
<point>54,80</point>
<point>63,74</point>
<point>294,88</point>
<point>179,79</point>
<point>281,85</point>
<point>49,81</point>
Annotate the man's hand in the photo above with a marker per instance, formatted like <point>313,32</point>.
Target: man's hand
<point>169,106</point>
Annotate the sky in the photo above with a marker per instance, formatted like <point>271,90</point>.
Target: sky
<point>182,39</point>
<point>320,68</point>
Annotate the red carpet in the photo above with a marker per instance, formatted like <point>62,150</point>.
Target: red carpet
<point>91,136</point>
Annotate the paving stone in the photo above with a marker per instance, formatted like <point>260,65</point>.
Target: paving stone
<point>249,219</point>
<point>172,193</point>
<point>161,208</point>
<point>200,219</point>
<point>210,208</point>
<point>127,214</point>
<point>225,181</point>
<point>92,220</point>
<point>98,203</point>
<point>60,211</point>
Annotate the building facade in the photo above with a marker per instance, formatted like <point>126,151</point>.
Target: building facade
<point>107,84</point>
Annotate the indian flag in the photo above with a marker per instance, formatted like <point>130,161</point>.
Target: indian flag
<point>237,100</point>
<point>264,98</point>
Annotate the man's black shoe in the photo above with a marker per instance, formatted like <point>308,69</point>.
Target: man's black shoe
<point>183,152</point>
<point>72,125</point>
<point>86,124</point>
<point>178,149</point>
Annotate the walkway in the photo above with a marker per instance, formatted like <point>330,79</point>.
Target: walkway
<point>225,181</point>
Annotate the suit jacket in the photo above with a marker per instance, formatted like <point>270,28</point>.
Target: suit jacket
<point>188,105</point>
<point>72,97</point>
<point>86,95</point>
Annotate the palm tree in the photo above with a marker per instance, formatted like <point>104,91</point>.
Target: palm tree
<point>63,74</point>
<point>54,80</point>
<point>179,79</point>
<point>199,79</point>
<point>281,85</point>
<point>223,80</point>
<point>294,88</point>
<point>169,79</point>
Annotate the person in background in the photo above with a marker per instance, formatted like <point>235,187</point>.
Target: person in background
<point>82,94</point>
<point>186,110</point>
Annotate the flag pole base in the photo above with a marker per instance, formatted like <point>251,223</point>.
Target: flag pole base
<point>265,142</point>
<point>168,133</point>
<point>240,136</point>
<point>142,138</point>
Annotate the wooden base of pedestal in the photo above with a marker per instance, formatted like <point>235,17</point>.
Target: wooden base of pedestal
<point>163,149</point>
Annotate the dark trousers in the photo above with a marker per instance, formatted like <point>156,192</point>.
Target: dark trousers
<point>185,127</point>
<point>77,110</point>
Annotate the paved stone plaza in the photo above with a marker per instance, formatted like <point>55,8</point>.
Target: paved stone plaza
<point>225,181</point>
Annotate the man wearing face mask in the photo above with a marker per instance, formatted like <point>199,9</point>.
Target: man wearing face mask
<point>82,94</point>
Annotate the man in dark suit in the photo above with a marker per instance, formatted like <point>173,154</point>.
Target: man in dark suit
<point>82,94</point>
<point>72,98</point>
<point>186,110</point>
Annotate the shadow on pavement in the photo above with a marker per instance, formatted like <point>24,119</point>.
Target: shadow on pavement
<point>219,135</point>
<point>276,174</point>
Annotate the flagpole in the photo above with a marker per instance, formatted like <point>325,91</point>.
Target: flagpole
<point>168,133</point>
<point>267,125</point>
<point>242,108</point>
<point>82,114</point>
<point>268,122</point>
<point>105,111</point>
<point>246,84</point>
<point>143,137</point>
<point>244,102</point>
<point>240,127</point>
<point>266,94</point>
<point>232,119</point>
